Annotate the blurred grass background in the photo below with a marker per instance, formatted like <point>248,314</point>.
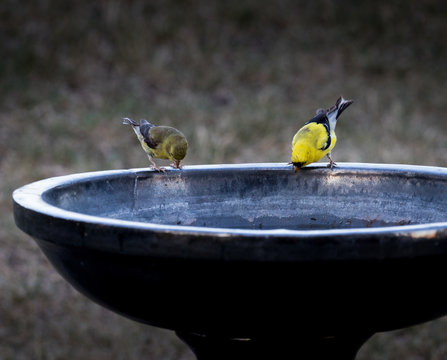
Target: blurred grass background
<point>238,78</point>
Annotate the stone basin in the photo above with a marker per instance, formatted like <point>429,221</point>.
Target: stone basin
<point>252,260</point>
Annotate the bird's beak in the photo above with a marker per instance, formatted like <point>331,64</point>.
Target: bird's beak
<point>297,165</point>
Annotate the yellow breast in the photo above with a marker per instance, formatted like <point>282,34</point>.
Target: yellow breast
<point>309,142</point>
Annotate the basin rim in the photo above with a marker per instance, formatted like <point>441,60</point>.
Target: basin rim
<point>29,204</point>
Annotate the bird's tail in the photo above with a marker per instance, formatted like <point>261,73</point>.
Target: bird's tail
<point>340,105</point>
<point>128,121</point>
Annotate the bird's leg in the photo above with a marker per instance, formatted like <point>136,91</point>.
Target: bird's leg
<point>154,165</point>
<point>176,164</point>
<point>331,162</point>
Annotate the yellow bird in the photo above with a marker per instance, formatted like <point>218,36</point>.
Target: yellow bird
<point>160,142</point>
<point>317,137</point>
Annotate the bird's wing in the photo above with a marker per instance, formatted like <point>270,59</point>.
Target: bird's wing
<point>323,138</point>
<point>146,130</point>
<point>160,134</point>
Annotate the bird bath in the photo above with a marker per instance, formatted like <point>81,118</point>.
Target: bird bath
<point>252,261</point>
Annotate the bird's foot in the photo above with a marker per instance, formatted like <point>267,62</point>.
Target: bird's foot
<point>154,165</point>
<point>332,164</point>
<point>159,169</point>
<point>176,165</point>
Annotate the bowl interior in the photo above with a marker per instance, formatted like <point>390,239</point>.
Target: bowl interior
<point>313,198</point>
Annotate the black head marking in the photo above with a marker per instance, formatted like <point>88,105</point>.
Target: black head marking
<point>298,164</point>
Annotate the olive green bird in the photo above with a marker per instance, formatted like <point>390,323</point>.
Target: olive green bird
<point>160,142</point>
<point>317,137</point>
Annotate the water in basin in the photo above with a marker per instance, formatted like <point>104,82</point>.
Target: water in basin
<point>274,199</point>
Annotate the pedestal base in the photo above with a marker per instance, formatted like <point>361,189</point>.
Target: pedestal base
<point>285,347</point>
